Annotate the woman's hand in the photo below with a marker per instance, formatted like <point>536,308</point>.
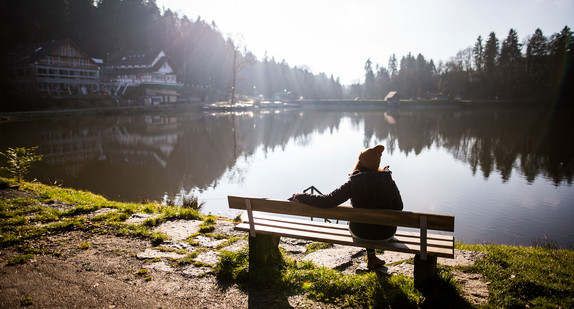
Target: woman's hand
<point>293,198</point>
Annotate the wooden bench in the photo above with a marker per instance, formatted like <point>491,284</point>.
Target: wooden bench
<point>266,225</point>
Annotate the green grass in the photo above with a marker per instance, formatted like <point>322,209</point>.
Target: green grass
<point>535,277</point>
<point>327,285</point>
<point>23,219</point>
<point>230,240</point>
<point>314,246</point>
<point>233,266</point>
<point>364,290</point>
<point>519,277</point>
<point>20,259</point>
<point>189,259</point>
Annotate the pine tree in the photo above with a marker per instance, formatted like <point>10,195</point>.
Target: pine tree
<point>510,58</point>
<point>491,54</point>
<point>536,61</point>
<point>393,70</point>
<point>478,52</point>
<point>369,80</point>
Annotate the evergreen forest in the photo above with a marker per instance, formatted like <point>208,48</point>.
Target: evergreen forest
<point>536,68</point>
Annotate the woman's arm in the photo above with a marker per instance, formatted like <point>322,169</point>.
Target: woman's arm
<point>337,197</point>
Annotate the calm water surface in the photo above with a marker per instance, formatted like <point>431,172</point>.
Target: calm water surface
<point>505,174</point>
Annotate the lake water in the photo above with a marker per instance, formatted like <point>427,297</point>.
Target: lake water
<point>505,174</point>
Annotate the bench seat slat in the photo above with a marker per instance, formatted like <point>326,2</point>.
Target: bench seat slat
<point>335,229</point>
<point>346,240</point>
<point>342,227</point>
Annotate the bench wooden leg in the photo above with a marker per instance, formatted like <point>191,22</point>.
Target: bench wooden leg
<point>425,271</point>
<point>263,250</point>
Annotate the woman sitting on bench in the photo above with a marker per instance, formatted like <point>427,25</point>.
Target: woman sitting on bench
<point>368,187</point>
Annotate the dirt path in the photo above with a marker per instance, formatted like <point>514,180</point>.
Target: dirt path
<point>106,276</point>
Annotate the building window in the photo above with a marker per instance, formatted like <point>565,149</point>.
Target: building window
<point>62,51</point>
<point>70,52</point>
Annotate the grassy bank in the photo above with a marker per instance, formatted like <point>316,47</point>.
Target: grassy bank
<point>539,276</point>
<point>34,216</point>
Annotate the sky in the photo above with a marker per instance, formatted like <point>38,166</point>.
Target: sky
<point>336,37</point>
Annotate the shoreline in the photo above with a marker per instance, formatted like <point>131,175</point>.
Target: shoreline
<point>6,115</point>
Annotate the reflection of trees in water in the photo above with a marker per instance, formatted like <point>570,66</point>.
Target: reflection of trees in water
<point>135,157</point>
<point>532,141</point>
<point>211,146</point>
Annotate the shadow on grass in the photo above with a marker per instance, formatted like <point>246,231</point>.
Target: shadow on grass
<point>443,294</point>
<point>263,285</point>
<point>272,285</point>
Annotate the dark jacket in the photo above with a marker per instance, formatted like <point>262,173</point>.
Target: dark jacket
<point>373,190</point>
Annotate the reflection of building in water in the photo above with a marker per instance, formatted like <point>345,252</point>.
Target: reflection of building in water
<point>71,149</point>
<point>148,143</point>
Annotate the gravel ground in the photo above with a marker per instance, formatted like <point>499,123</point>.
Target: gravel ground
<point>105,276</point>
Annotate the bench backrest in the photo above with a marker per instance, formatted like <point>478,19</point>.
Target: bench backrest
<point>347,213</point>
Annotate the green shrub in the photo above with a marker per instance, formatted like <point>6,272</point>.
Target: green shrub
<point>20,160</point>
<point>233,266</point>
<point>192,202</point>
<point>210,220</point>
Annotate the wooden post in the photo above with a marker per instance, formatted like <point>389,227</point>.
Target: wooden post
<point>425,271</point>
<point>250,216</point>
<point>423,227</point>
<point>263,251</point>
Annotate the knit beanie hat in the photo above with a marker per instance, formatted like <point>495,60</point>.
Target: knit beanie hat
<point>371,158</point>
